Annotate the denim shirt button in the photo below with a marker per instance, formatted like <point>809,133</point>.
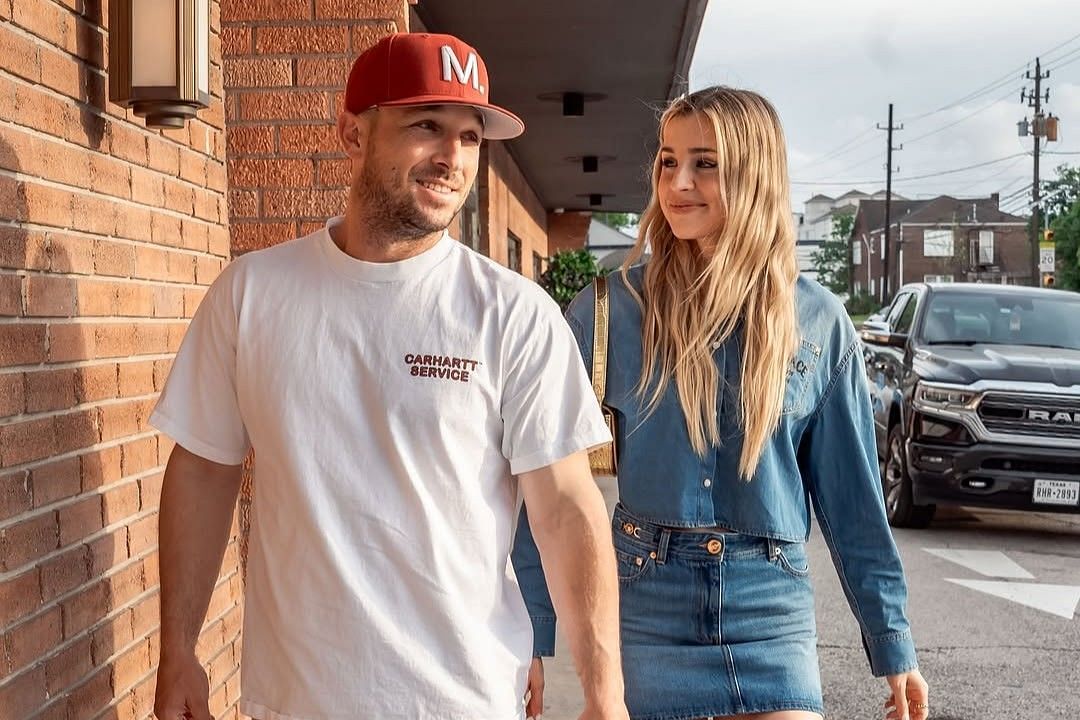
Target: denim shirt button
<point>707,482</point>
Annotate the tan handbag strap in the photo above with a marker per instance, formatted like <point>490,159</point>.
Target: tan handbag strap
<point>600,339</point>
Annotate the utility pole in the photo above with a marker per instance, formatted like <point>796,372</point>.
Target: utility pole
<point>887,249</point>
<point>1035,100</point>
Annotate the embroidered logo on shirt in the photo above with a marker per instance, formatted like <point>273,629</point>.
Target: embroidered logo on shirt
<point>442,367</point>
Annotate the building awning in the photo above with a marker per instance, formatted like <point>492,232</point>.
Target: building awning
<point>628,58</point>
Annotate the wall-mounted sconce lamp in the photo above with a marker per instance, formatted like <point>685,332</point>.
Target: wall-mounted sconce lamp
<point>159,58</point>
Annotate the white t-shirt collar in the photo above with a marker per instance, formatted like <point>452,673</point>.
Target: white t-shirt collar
<point>366,271</point>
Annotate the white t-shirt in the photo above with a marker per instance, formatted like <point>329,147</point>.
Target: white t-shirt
<point>389,406</point>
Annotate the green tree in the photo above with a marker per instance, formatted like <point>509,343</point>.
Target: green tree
<point>619,221</point>
<point>1063,217</point>
<point>568,272</point>
<point>830,261</point>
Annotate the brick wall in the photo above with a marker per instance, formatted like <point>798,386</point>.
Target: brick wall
<point>568,231</point>
<point>509,205</point>
<point>286,63</point>
<point>109,235</point>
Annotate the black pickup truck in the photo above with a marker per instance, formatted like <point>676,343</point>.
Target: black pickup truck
<point>976,396</point>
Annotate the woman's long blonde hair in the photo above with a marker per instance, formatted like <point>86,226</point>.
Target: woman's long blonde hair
<point>691,301</point>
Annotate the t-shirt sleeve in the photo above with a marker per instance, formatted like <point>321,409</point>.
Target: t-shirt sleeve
<point>549,410</point>
<point>198,407</point>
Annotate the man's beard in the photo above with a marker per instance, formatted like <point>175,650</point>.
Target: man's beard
<point>392,215</point>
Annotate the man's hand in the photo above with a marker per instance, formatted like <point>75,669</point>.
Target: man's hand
<point>534,695</point>
<point>183,690</point>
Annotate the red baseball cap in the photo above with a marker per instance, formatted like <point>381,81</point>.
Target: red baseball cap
<point>426,69</point>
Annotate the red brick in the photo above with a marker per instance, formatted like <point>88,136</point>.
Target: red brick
<point>122,502</point>
<point>272,173</point>
<point>22,345</point>
<point>334,173</point>
<point>110,176</point>
<point>310,140</point>
<point>301,40</point>
<point>46,205</point>
<point>150,340</point>
<point>19,596</point>
<point>100,467</point>
<point>210,207</point>
<point>358,9</point>
<point>22,249</point>
<point>96,382</point>
<point>235,41</point>
<point>34,638</point>
<point>110,636</point>
<point>147,188</point>
<point>71,254</point>
<point>21,696</point>
<point>150,487</point>
<point>151,263</point>
<point>251,140</point>
<point>254,236</point>
<point>85,608</point>
<point>90,698</point>
<point>60,73</point>
<point>179,198</point>
<point>68,666</point>
<point>193,167</point>
<point>46,20</point>
<point>27,441</point>
<point>79,520</point>
<point>136,378</point>
<point>15,495</point>
<point>207,269</point>
<point>181,267</point>
<point>258,73</point>
<point>21,55</point>
<point>107,552</point>
<point>219,242</point>
<point>143,535</point>
<point>12,394</point>
<point>126,584</point>
<point>243,203</point>
<point>69,342</point>
<point>50,390</point>
<point>166,230</point>
<point>303,203</point>
<point>134,300</point>
<point>367,34</point>
<point>118,420</point>
<point>152,570</point>
<point>35,108</point>
<point>113,258</point>
<point>28,540</point>
<point>48,296</point>
<point>161,370</point>
<point>96,298</point>
<point>194,235</point>
<point>216,178</point>
<point>323,72</point>
<point>127,143</point>
<point>11,295</point>
<point>259,10</point>
<point>283,106</point>
<point>76,430</point>
<point>57,480</point>
<point>62,574</point>
<point>94,214</point>
<point>134,223</point>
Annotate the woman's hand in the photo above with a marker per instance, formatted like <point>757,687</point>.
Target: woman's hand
<point>910,697</point>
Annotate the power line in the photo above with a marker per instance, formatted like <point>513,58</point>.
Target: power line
<point>914,177</point>
<point>984,108</point>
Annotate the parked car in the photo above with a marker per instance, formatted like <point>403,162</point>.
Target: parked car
<point>976,396</point>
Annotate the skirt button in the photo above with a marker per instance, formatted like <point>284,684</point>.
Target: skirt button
<point>714,546</point>
<point>628,528</point>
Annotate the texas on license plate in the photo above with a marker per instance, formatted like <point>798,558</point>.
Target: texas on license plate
<point>1056,492</point>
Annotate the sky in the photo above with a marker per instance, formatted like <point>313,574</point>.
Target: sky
<point>953,69</point>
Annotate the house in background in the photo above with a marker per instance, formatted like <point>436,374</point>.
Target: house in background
<point>814,225</point>
<point>944,239</point>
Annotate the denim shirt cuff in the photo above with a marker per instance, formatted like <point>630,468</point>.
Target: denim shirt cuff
<point>543,635</point>
<point>891,654</point>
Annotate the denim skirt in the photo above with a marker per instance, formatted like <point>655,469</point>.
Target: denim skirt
<point>713,623</point>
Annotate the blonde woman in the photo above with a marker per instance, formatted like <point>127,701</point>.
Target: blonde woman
<point>741,402</point>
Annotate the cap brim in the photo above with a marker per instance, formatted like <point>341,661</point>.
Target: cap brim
<point>499,124</point>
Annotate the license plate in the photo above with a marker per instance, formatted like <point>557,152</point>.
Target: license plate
<point>1056,492</point>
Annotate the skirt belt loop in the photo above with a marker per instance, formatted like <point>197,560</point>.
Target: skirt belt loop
<point>662,548</point>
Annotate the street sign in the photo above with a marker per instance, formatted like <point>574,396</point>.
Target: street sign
<point>1046,257</point>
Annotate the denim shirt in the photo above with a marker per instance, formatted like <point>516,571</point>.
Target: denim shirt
<point>823,454</point>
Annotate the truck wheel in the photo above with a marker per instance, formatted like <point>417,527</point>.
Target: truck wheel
<point>896,486</point>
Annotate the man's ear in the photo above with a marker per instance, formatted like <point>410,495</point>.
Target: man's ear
<point>353,131</point>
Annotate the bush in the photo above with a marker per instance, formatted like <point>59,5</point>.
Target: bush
<point>568,272</point>
<point>862,304</point>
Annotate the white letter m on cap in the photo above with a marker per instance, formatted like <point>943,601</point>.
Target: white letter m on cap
<point>451,69</point>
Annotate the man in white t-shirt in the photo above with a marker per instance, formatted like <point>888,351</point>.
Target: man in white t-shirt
<point>399,391</point>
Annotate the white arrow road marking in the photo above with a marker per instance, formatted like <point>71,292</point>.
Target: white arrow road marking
<point>985,562</point>
<point>1060,600</point>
